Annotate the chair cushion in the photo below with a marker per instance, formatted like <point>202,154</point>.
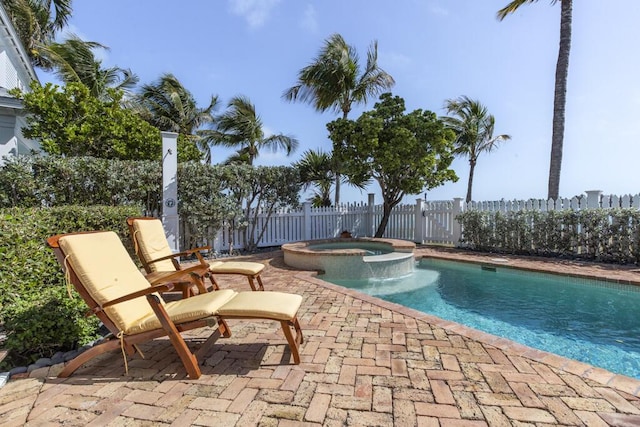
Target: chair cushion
<point>185,310</point>
<point>267,305</point>
<point>107,272</point>
<point>152,244</point>
<point>236,267</point>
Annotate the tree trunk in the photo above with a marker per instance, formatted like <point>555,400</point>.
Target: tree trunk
<point>472,167</point>
<point>345,113</point>
<point>386,213</point>
<point>559,100</point>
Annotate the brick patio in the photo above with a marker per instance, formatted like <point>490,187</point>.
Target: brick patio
<point>364,362</point>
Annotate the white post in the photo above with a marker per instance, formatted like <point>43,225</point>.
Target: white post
<point>456,229</point>
<point>170,218</point>
<point>593,199</point>
<point>369,221</point>
<point>306,221</point>
<point>419,223</point>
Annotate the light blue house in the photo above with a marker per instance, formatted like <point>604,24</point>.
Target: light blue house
<point>16,71</point>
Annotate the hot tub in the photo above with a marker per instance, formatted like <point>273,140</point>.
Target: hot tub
<point>352,258</point>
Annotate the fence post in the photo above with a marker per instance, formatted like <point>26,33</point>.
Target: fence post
<point>419,223</point>
<point>456,229</point>
<point>170,219</point>
<point>593,199</point>
<point>218,241</point>
<point>306,221</point>
<point>369,220</point>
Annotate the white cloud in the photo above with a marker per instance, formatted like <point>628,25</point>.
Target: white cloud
<point>309,21</point>
<point>438,10</point>
<point>395,59</point>
<point>255,12</point>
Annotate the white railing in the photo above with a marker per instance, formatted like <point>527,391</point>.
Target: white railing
<point>422,222</point>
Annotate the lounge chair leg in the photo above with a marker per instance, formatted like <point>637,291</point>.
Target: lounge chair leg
<point>188,359</point>
<point>199,282</point>
<point>299,336</point>
<point>85,356</point>
<point>223,327</point>
<point>188,290</point>
<point>294,343</point>
<point>261,286</point>
<point>213,282</point>
<point>206,346</point>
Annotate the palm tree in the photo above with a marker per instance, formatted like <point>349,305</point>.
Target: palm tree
<point>169,106</point>
<point>241,128</point>
<point>36,23</point>
<point>334,81</point>
<point>74,61</point>
<point>317,169</point>
<point>473,126</point>
<point>560,95</point>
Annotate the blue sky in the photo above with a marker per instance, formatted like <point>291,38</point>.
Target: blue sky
<point>434,49</point>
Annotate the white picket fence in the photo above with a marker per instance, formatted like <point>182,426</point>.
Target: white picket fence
<point>360,219</point>
<point>422,222</point>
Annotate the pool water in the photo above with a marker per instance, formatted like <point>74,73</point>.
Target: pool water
<point>592,321</point>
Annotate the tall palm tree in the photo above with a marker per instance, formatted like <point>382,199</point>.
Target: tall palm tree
<point>169,106</point>
<point>560,94</point>
<point>241,128</point>
<point>334,81</point>
<point>316,169</point>
<point>36,23</point>
<point>74,61</point>
<point>473,126</point>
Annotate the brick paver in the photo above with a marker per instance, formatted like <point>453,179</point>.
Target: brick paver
<point>364,362</point>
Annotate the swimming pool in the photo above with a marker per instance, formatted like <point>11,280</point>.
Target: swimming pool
<point>595,322</point>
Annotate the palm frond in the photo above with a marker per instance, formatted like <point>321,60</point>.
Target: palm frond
<point>515,5</point>
<point>333,81</point>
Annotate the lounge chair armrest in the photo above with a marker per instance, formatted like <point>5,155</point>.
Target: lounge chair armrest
<point>200,249</point>
<point>176,255</point>
<point>183,253</point>
<point>180,275</point>
<point>165,287</point>
<point>197,252</point>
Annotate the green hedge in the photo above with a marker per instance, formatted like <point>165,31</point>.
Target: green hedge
<point>86,181</point>
<point>609,235</point>
<point>36,312</point>
<point>209,196</point>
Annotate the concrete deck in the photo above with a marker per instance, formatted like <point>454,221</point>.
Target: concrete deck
<point>364,362</point>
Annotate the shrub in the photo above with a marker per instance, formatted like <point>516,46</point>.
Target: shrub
<point>57,181</point>
<point>611,235</point>
<point>36,311</point>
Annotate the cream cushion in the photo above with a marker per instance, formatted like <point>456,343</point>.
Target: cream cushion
<point>236,267</point>
<point>106,281</point>
<point>152,244</point>
<point>185,310</point>
<point>268,305</point>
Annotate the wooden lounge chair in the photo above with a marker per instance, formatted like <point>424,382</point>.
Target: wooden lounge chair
<point>105,276</point>
<point>158,260</point>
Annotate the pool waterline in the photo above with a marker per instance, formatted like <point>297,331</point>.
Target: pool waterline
<point>612,349</point>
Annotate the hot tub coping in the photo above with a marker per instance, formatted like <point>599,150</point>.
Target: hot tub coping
<point>302,247</point>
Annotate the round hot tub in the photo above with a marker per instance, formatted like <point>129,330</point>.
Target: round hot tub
<point>352,258</point>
